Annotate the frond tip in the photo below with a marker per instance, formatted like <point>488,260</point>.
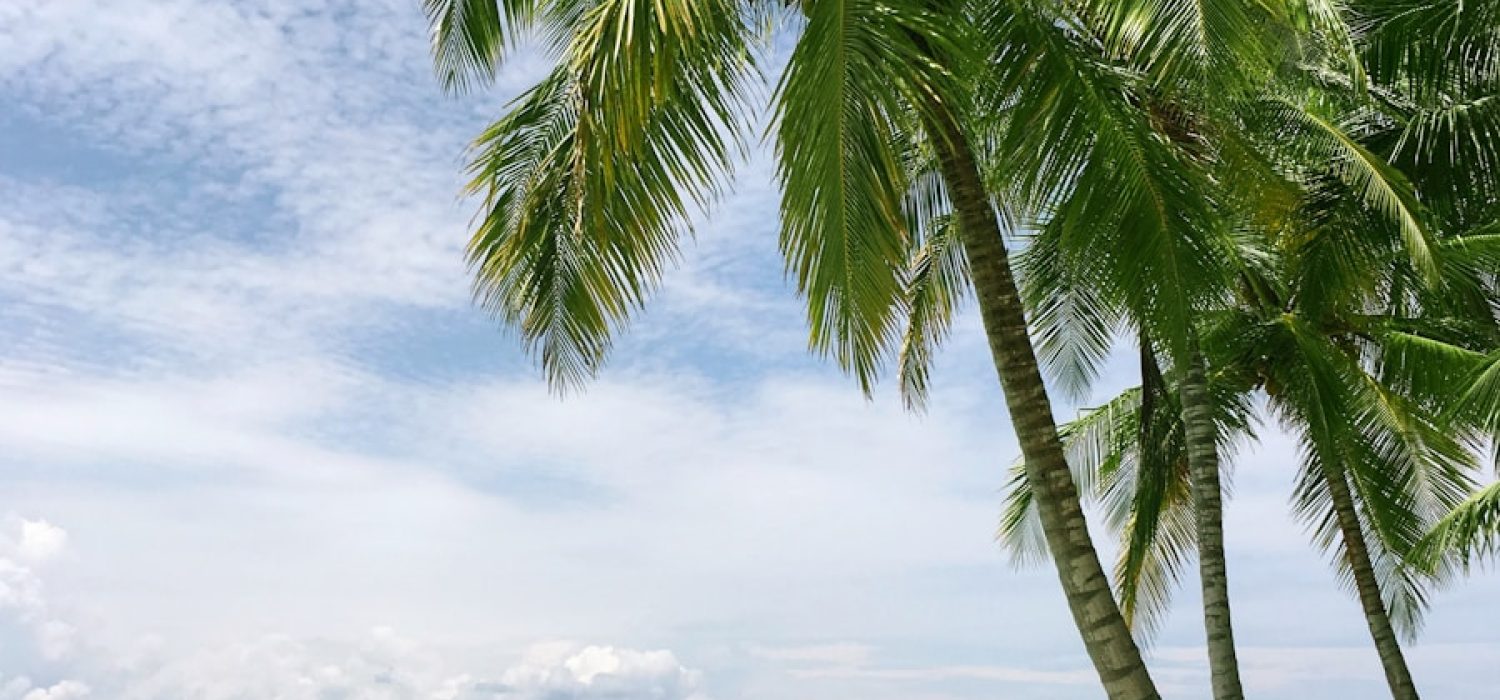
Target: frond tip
<point>469,37</point>
<point>1470,531</point>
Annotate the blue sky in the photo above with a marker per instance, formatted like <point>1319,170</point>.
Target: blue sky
<point>256,443</point>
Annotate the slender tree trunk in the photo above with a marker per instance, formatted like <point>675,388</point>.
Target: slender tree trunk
<point>1201,434</point>
<point>1397,675</point>
<point>1105,635</point>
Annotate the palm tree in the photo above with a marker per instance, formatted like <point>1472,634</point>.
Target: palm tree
<point>1397,92</point>
<point>1377,471</point>
<point>1104,142</point>
<point>1366,292</point>
<point>589,180</point>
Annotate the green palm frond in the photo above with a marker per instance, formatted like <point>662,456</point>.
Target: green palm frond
<point>1458,134</point>
<point>1138,476</point>
<point>1404,468</point>
<point>590,179</point>
<point>1452,152</point>
<point>1327,22</point>
<point>1148,501</point>
<point>1097,443</point>
<point>1480,401</point>
<point>1073,325</point>
<point>1470,531</point>
<point>936,283</point>
<point>1131,210</point>
<point>853,75</point>
<point>469,37</point>
<point>1432,47</point>
<point>1384,189</point>
<point>1478,248</point>
<point>472,38</point>
<point>1183,43</point>
<point>1438,372</point>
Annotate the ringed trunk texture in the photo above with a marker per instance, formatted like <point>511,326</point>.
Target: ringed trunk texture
<point>1397,675</point>
<point>1208,511</point>
<point>1105,634</point>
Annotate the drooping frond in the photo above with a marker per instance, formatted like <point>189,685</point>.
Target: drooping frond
<point>469,37</point>
<point>1182,44</point>
<point>1368,176</point>
<point>853,75</point>
<point>937,280</point>
<point>1327,23</point>
<point>472,38</point>
<point>1480,400</point>
<point>1097,443</point>
<point>1020,531</point>
<point>1453,153</point>
<point>1444,375</point>
<point>1148,501</point>
<point>1133,213</point>
<point>1129,457</point>
<point>1073,325</point>
<point>590,179</point>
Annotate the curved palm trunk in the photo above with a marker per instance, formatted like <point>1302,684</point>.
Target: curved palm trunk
<point>1208,510</point>
<point>1397,675</point>
<point>1105,635</point>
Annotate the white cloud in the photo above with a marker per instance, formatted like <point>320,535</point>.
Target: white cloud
<point>21,688</point>
<point>41,540</point>
<point>567,672</point>
<point>383,665</point>
<point>20,589</point>
<point>388,667</point>
<point>65,690</point>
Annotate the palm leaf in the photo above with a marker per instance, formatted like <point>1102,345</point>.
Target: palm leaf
<point>1470,531</point>
<point>853,75</point>
<point>591,178</point>
<point>1368,176</point>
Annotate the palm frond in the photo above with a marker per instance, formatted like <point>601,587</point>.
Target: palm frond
<point>851,77</point>
<point>936,282</point>
<point>1432,47</point>
<point>1368,176</point>
<point>1131,210</point>
<point>1404,468</point>
<point>1470,531</point>
<point>1479,403</point>
<point>1073,325</point>
<point>1182,43</point>
<point>472,38</point>
<point>1097,444</point>
<point>591,178</point>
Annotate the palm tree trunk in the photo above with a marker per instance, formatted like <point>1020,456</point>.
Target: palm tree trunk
<point>1202,438</point>
<point>1105,635</point>
<point>1397,675</point>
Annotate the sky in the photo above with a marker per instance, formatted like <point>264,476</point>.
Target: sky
<point>256,441</point>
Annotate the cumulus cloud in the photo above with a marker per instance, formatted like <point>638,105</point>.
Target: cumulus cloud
<point>25,612</point>
<point>387,666</point>
<point>41,540</point>
<point>567,672</point>
<point>383,665</point>
<point>21,689</point>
